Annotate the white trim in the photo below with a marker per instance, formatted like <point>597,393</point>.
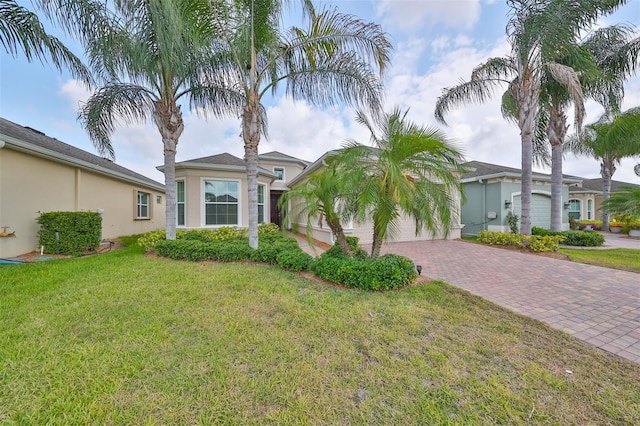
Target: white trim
<point>184,183</point>
<point>203,211</point>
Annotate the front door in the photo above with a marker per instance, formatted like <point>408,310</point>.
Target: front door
<point>276,214</point>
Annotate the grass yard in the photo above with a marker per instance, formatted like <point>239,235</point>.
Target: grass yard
<point>121,338</point>
<point>620,258</point>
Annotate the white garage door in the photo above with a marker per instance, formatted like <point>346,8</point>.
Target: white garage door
<point>540,210</point>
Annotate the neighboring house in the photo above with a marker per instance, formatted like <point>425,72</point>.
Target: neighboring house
<point>41,174</point>
<point>492,191</point>
<point>585,198</point>
<point>212,192</point>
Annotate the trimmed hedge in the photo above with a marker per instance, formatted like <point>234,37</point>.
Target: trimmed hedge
<point>294,260</point>
<point>537,243</point>
<point>194,250</point>
<point>70,233</point>
<point>573,238</point>
<point>384,273</point>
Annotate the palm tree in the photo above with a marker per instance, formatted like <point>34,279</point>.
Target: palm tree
<point>538,31</point>
<point>22,31</point>
<point>609,140</point>
<point>411,169</point>
<point>149,55</point>
<point>624,202</point>
<point>325,196</point>
<point>333,60</point>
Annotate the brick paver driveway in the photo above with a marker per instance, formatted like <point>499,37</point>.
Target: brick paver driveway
<point>598,305</point>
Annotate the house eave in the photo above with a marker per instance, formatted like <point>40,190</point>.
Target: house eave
<point>219,167</point>
<point>18,145</point>
<point>283,160</point>
<point>565,180</point>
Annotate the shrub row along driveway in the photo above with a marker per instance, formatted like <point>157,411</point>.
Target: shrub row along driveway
<point>598,305</point>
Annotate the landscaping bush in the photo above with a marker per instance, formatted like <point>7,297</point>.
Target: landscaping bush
<point>573,238</point>
<point>268,252</point>
<point>387,272</point>
<point>294,260</point>
<point>150,239</point>
<point>69,233</point>
<point>353,243</point>
<point>538,243</point>
<point>195,250</point>
<point>268,228</point>
<point>583,239</point>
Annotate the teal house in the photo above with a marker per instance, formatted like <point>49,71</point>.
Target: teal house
<point>493,190</point>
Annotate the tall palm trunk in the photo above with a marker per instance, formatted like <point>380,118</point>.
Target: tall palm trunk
<point>168,119</point>
<point>556,131</point>
<point>607,169</point>
<point>251,124</point>
<point>527,98</point>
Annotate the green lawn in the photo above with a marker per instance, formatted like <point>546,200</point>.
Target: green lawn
<point>624,259</point>
<point>120,338</point>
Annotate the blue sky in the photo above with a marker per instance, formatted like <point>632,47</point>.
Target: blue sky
<point>437,43</point>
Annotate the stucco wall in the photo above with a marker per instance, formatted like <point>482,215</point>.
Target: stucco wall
<point>29,185</point>
<point>291,170</point>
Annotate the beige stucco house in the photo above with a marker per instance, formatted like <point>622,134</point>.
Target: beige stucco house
<point>212,192</point>
<point>42,174</point>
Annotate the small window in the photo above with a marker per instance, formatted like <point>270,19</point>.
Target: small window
<point>180,204</point>
<point>143,205</point>
<point>590,209</point>
<point>260,203</point>
<point>279,172</point>
<point>158,199</point>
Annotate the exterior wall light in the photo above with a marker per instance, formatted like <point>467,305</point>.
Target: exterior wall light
<point>566,205</point>
<point>507,204</point>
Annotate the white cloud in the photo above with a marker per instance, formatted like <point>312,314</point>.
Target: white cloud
<point>407,16</point>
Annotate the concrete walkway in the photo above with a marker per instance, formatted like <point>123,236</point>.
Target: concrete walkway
<point>598,305</point>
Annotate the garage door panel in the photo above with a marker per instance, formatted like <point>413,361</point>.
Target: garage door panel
<point>540,210</point>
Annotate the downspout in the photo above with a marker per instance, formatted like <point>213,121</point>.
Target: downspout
<point>484,204</point>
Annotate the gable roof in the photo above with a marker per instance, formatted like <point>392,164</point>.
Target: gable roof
<point>35,142</point>
<point>595,186</point>
<point>224,161</point>
<point>478,170</point>
<point>278,156</point>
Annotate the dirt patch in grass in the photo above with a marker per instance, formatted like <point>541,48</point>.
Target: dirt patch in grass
<point>105,247</point>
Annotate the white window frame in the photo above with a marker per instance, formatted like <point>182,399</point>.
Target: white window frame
<point>203,210</point>
<point>183,203</point>
<point>283,171</point>
<point>590,204</point>
<point>579,211</point>
<point>140,205</point>
<point>264,196</point>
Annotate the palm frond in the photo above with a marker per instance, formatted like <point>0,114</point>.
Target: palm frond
<point>22,32</point>
<point>103,111</point>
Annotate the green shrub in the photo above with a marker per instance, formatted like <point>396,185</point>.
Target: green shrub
<point>268,228</point>
<point>227,233</point>
<point>150,239</point>
<point>500,238</point>
<point>353,243</point>
<point>512,220</point>
<point>69,233</point>
<point>583,239</point>
<point>537,243</point>
<point>294,260</point>
<point>268,252</point>
<point>387,272</point>
<point>195,250</point>
<point>540,243</point>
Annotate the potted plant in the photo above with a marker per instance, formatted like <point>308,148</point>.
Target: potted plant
<point>626,202</point>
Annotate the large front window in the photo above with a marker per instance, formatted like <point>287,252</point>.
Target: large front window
<point>180,204</point>
<point>221,202</point>
<point>574,209</point>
